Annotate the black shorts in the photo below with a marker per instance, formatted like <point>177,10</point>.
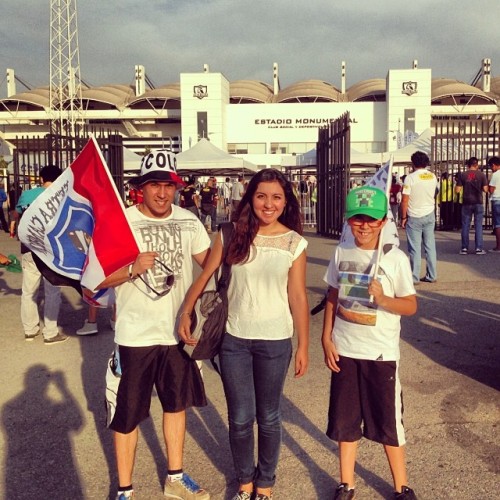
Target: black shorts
<point>176,377</point>
<point>366,400</point>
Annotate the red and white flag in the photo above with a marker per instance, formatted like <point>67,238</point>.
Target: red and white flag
<point>78,227</point>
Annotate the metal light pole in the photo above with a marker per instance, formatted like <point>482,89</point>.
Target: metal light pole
<point>65,86</point>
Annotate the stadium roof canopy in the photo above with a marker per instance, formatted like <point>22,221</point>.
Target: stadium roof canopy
<point>250,91</point>
<point>116,96</point>
<point>447,91</point>
<point>444,92</point>
<point>368,90</point>
<point>34,100</point>
<point>166,96</point>
<point>309,91</point>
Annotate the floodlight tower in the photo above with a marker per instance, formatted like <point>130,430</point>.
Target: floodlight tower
<point>65,84</point>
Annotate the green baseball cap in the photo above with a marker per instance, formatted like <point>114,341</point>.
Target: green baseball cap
<point>366,200</point>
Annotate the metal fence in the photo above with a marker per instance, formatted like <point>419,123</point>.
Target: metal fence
<point>31,154</point>
<point>333,174</point>
<point>453,143</point>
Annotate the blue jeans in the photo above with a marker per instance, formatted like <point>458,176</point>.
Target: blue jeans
<point>420,229</point>
<point>253,374</point>
<point>495,212</point>
<point>209,210</point>
<point>467,212</point>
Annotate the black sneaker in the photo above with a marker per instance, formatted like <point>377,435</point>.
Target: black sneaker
<point>31,336</point>
<point>343,492</point>
<point>58,339</point>
<point>406,494</point>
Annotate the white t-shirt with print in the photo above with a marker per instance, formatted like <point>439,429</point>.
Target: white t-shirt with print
<point>421,187</point>
<point>258,290</point>
<point>363,330</point>
<point>143,318</point>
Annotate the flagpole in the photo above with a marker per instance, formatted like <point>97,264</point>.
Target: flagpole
<point>380,239</point>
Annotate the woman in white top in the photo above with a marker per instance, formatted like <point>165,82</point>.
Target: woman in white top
<point>267,301</point>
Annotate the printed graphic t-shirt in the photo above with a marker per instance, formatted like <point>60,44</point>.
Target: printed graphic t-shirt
<point>144,318</point>
<point>472,182</point>
<point>363,330</point>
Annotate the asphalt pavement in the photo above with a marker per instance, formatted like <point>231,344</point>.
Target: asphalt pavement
<point>54,443</point>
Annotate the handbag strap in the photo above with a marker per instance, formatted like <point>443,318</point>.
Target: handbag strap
<point>222,281</point>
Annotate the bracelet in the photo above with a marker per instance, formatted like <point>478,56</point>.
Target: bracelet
<point>404,218</point>
<point>184,312</point>
<point>130,274</point>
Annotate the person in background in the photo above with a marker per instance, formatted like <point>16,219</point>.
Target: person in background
<point>472,183</point>
<point>361,341</point>
<point>4,260</point>
<point>267,301</point>
<point>208,202</point>
<point>419,219</point>
<point>189,197</point>
<point>395,199</point>
<point>401,183</point>
<point>227,187</point>
<point>32,277</point>
<point>3,199</point>
<point>14,195</point>
<point>494,189</point>
<point>237,193</point>
<point>458,199</point>
<point>446,202</point>
<point>90,325</point>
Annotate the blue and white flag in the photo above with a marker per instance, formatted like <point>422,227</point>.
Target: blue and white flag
<point>78,228</point>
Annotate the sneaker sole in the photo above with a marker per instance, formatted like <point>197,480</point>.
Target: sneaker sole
<point>177,497</point>
<point>56,342</point>
<point>83,334</point>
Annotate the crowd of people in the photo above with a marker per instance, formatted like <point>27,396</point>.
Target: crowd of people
<point>368,292</point>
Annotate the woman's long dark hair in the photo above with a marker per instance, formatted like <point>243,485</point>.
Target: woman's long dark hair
<point>247,224</point>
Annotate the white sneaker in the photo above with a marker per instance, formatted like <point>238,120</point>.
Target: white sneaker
<point>112,324</point>
<point>87,328</point>
<point>185,489</point>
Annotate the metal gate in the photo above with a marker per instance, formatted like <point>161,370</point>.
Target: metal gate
<point>333,161</point>
<point>31,154</point>
<point>453,143</point>
<point>305,187</point>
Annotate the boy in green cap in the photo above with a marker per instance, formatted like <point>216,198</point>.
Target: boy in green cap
<point>361,329</point>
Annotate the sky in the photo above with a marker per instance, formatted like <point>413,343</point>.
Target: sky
<point>242,39</point>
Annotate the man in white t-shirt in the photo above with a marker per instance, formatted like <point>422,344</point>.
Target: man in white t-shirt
<point>494,189</point>
<point>149,293</point>
<point>237,193</point>
<point>418,218</point>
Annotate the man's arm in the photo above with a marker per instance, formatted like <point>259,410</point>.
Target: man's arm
<point>4,260</point>
<point>458,186</point>
<point>404,209</point>
<point>201,258</point>
<point>142,263</point>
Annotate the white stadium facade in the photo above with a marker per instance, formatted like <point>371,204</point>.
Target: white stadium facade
<point>260,122</point>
